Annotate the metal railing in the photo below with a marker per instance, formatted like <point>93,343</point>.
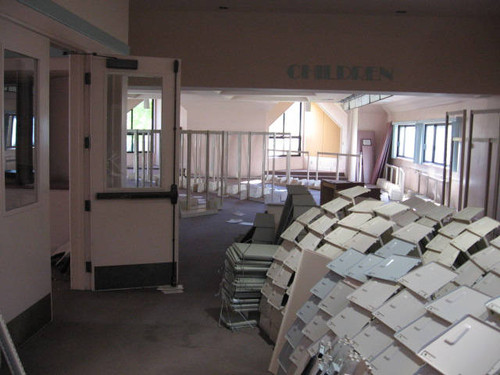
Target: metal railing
<point>145,147</point>
<point>337,155</point>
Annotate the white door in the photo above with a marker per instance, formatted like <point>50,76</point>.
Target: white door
<point>131,145</point>
<point>25,279</point>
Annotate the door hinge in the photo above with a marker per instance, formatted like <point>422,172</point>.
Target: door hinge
<point>88,267</point>
<point>176,66</point>
<point>86,142</point>
<point>87,205</point>
<point>87,78</point>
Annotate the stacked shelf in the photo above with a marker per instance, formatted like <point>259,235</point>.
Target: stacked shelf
<point>310,230</point>
<point>245,267</point>
<point>381,311</point>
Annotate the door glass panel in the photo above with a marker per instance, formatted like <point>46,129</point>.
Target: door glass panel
<point>133,131</point>
<point>20,129</point>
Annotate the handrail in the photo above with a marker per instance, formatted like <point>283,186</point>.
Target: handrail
<point>337,154</point>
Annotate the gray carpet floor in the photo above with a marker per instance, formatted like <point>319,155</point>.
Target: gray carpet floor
<point>147,332</point>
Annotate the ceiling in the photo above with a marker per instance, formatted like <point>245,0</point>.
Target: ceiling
<point>395,103</point>
<point>462,8</point>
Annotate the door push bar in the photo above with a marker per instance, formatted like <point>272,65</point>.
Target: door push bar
<point>173,194</point>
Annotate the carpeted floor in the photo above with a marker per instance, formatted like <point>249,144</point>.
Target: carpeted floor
<point>147,332</point>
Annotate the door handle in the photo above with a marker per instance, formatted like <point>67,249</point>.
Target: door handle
<point>173,195</point>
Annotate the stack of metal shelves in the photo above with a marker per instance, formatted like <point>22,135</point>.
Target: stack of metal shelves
<point>245,268</point>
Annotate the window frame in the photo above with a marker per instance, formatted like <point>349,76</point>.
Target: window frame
<point>281,135</point>
<point>435,126</point>
<point>398,141</point>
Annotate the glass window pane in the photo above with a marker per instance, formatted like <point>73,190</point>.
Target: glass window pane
<point>439,153</point>
<point>409,147</point>
<point>292,120</point>
<point>20,129</point>
<point>429,143</point>
<point>277,125</point>
<point>133,131</point>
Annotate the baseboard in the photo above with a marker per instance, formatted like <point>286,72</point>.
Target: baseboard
<point>132,276</point>
<point>30,321</point>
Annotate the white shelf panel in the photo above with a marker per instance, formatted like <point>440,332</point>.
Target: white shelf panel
<point>395,247</point>
<point>468,214</point>
<point>459,303</point>
<point>439,213</point>
<point>353,192</point>
<point>468,274</point>
<point>276,297</point>
<point>300,355</point>
<point>496,242</point>
<point>317,327</point>
<point>426,222</point>
<point>448,256</point>
<point>438,243</point>
<point>293,259</point>
<point>413,233</point>
<point>273,270</point>
<point>267,288</point>
<point>349,258</point>
<point>372,294</point>
<point>390,210</point>
<point>465,240</point>
<point>362,242</point>
<point>452,352</point>
<point>367,206</point>
<point>323,224</point>
<point>453,229</point>
<point>358,271</point>
<point>421,331</point>
<point>291,233</point>
<point>294,334</point>
<point>309,215</point>
<point>400,310</point>
<point>326,284</point>
<point>354,220</point>
<point>431,256</point>
<point>483,226</point>
<point>283,277</point>
<point>396,360</point>
<point>486,257</point>
<point>340,235</point>
<point>336,205</point>
<point>330,251</point>
<point>393,267</point>
<point>373,339</point>
<point>336,300</point>
<point>309,242</point>
<point>283,251</point>
<point>494,305</point>
<point>349,321</point>
<point>309,309</point>
<point>376,227</point>
<point>414,202</point>
<point>489,284</point>
<point>405,218</point>
<point>427,279</point>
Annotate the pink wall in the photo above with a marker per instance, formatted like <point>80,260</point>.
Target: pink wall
<point>259,50</point>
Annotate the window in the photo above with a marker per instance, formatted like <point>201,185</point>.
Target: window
<point>140,117</point>
<point>434,143</point>
<point>406,141</point>
<point>20,129</point>
<point>289,122</point>
<point>133,141</point>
